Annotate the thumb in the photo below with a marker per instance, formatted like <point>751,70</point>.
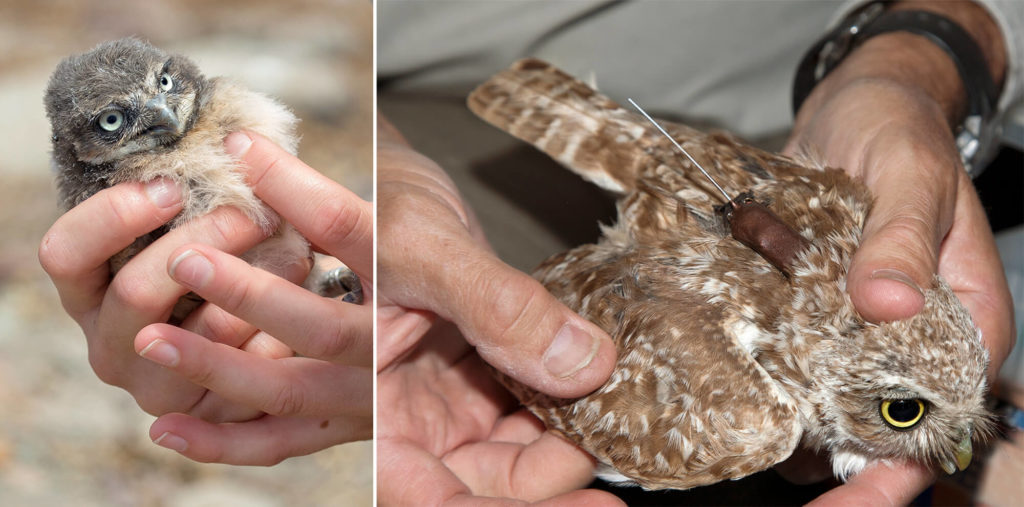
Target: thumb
<point>898,255</point>
<point>518,327</point>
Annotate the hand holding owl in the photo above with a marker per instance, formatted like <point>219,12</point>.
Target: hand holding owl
<point>450,428</point>
<point>320,399</point>
<point>111,310</point>
<point>927,217</point>
<point>143,168</point>
<point>445,266</point>
<point>75,250</point>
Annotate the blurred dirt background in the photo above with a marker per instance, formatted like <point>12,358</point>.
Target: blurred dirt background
<point>65,437</point>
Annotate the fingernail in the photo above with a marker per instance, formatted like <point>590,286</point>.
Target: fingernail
<point>572,350</point>
<point>163,192</point>
<point>171,441</point>
<point>237,144</point>
<point>191,269</point>
<point>161,352</point>
<point>896,276</point>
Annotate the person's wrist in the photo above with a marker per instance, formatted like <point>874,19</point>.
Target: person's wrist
<point>917,44</point>
<point>894,61</point>
<point>976,20</point>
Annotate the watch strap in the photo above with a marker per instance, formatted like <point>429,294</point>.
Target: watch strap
<point>974,136</point>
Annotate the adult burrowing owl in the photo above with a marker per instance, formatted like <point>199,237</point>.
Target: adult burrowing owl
<point>127,111</point>
<point>725,363</point>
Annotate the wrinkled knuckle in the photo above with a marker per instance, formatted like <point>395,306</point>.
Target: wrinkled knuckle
<point>199,372</point>
<point>224,225</point>
<point>515,303</point>
<point>236,298</point>
<point>122,213</point>
<point>910,228</point>
<point>330,345</point>
<point>133,291</point>
<point>287,400</point>
<point>217,325</point>
<point>275,163</point>
<point>339,222</point>
<point>912,233</point>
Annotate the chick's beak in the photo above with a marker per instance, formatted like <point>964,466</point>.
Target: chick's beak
<point>962,457</point>
<point>163,118</point>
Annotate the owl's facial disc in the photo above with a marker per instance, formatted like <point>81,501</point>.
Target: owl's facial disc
<point>158,114</point>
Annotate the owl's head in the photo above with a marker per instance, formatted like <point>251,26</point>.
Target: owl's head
<point>122,97</point>
<point>912,389</point>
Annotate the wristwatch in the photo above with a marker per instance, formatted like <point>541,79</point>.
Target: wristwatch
<point>978,134</point>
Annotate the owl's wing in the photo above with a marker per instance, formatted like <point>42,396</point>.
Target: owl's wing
<point>615,148</point>
<point>687,404</point>
<point>563,117</point>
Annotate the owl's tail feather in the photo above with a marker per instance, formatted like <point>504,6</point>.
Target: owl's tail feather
<point>560,115</point>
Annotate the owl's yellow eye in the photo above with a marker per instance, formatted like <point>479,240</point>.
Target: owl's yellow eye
<point>166,83</point>
<point>111,120</point>
<point>902,414</point>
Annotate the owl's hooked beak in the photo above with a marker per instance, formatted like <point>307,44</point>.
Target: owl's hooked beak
<point>962,458</point>
<point>164,119</point>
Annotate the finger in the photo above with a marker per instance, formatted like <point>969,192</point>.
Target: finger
<point>215,324</point>
<point>328,214</point>
<point>898,255</point>
<point>588,497</point>
<point>520,427</point>
<point>520,328</point>
<point>143,293</point>
<point>215,408</point>
<point>398,331</point>
<point>292,386</point>
<point>408,474</point>
<point>546,467</point>
<point>428,260</point>
<point>880,484</point>
<point>314,326</point>
<point>75,251</point>
<point>970,263</point>
<point>265,441</point>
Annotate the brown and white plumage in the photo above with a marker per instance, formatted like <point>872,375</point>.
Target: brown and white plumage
<point>127,111</point>
<point>725,365</point>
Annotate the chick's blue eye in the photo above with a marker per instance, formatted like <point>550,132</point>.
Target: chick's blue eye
<point>111,120</point>
<point>166,83</point>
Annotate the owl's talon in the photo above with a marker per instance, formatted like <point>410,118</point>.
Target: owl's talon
<point>340,282</point>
